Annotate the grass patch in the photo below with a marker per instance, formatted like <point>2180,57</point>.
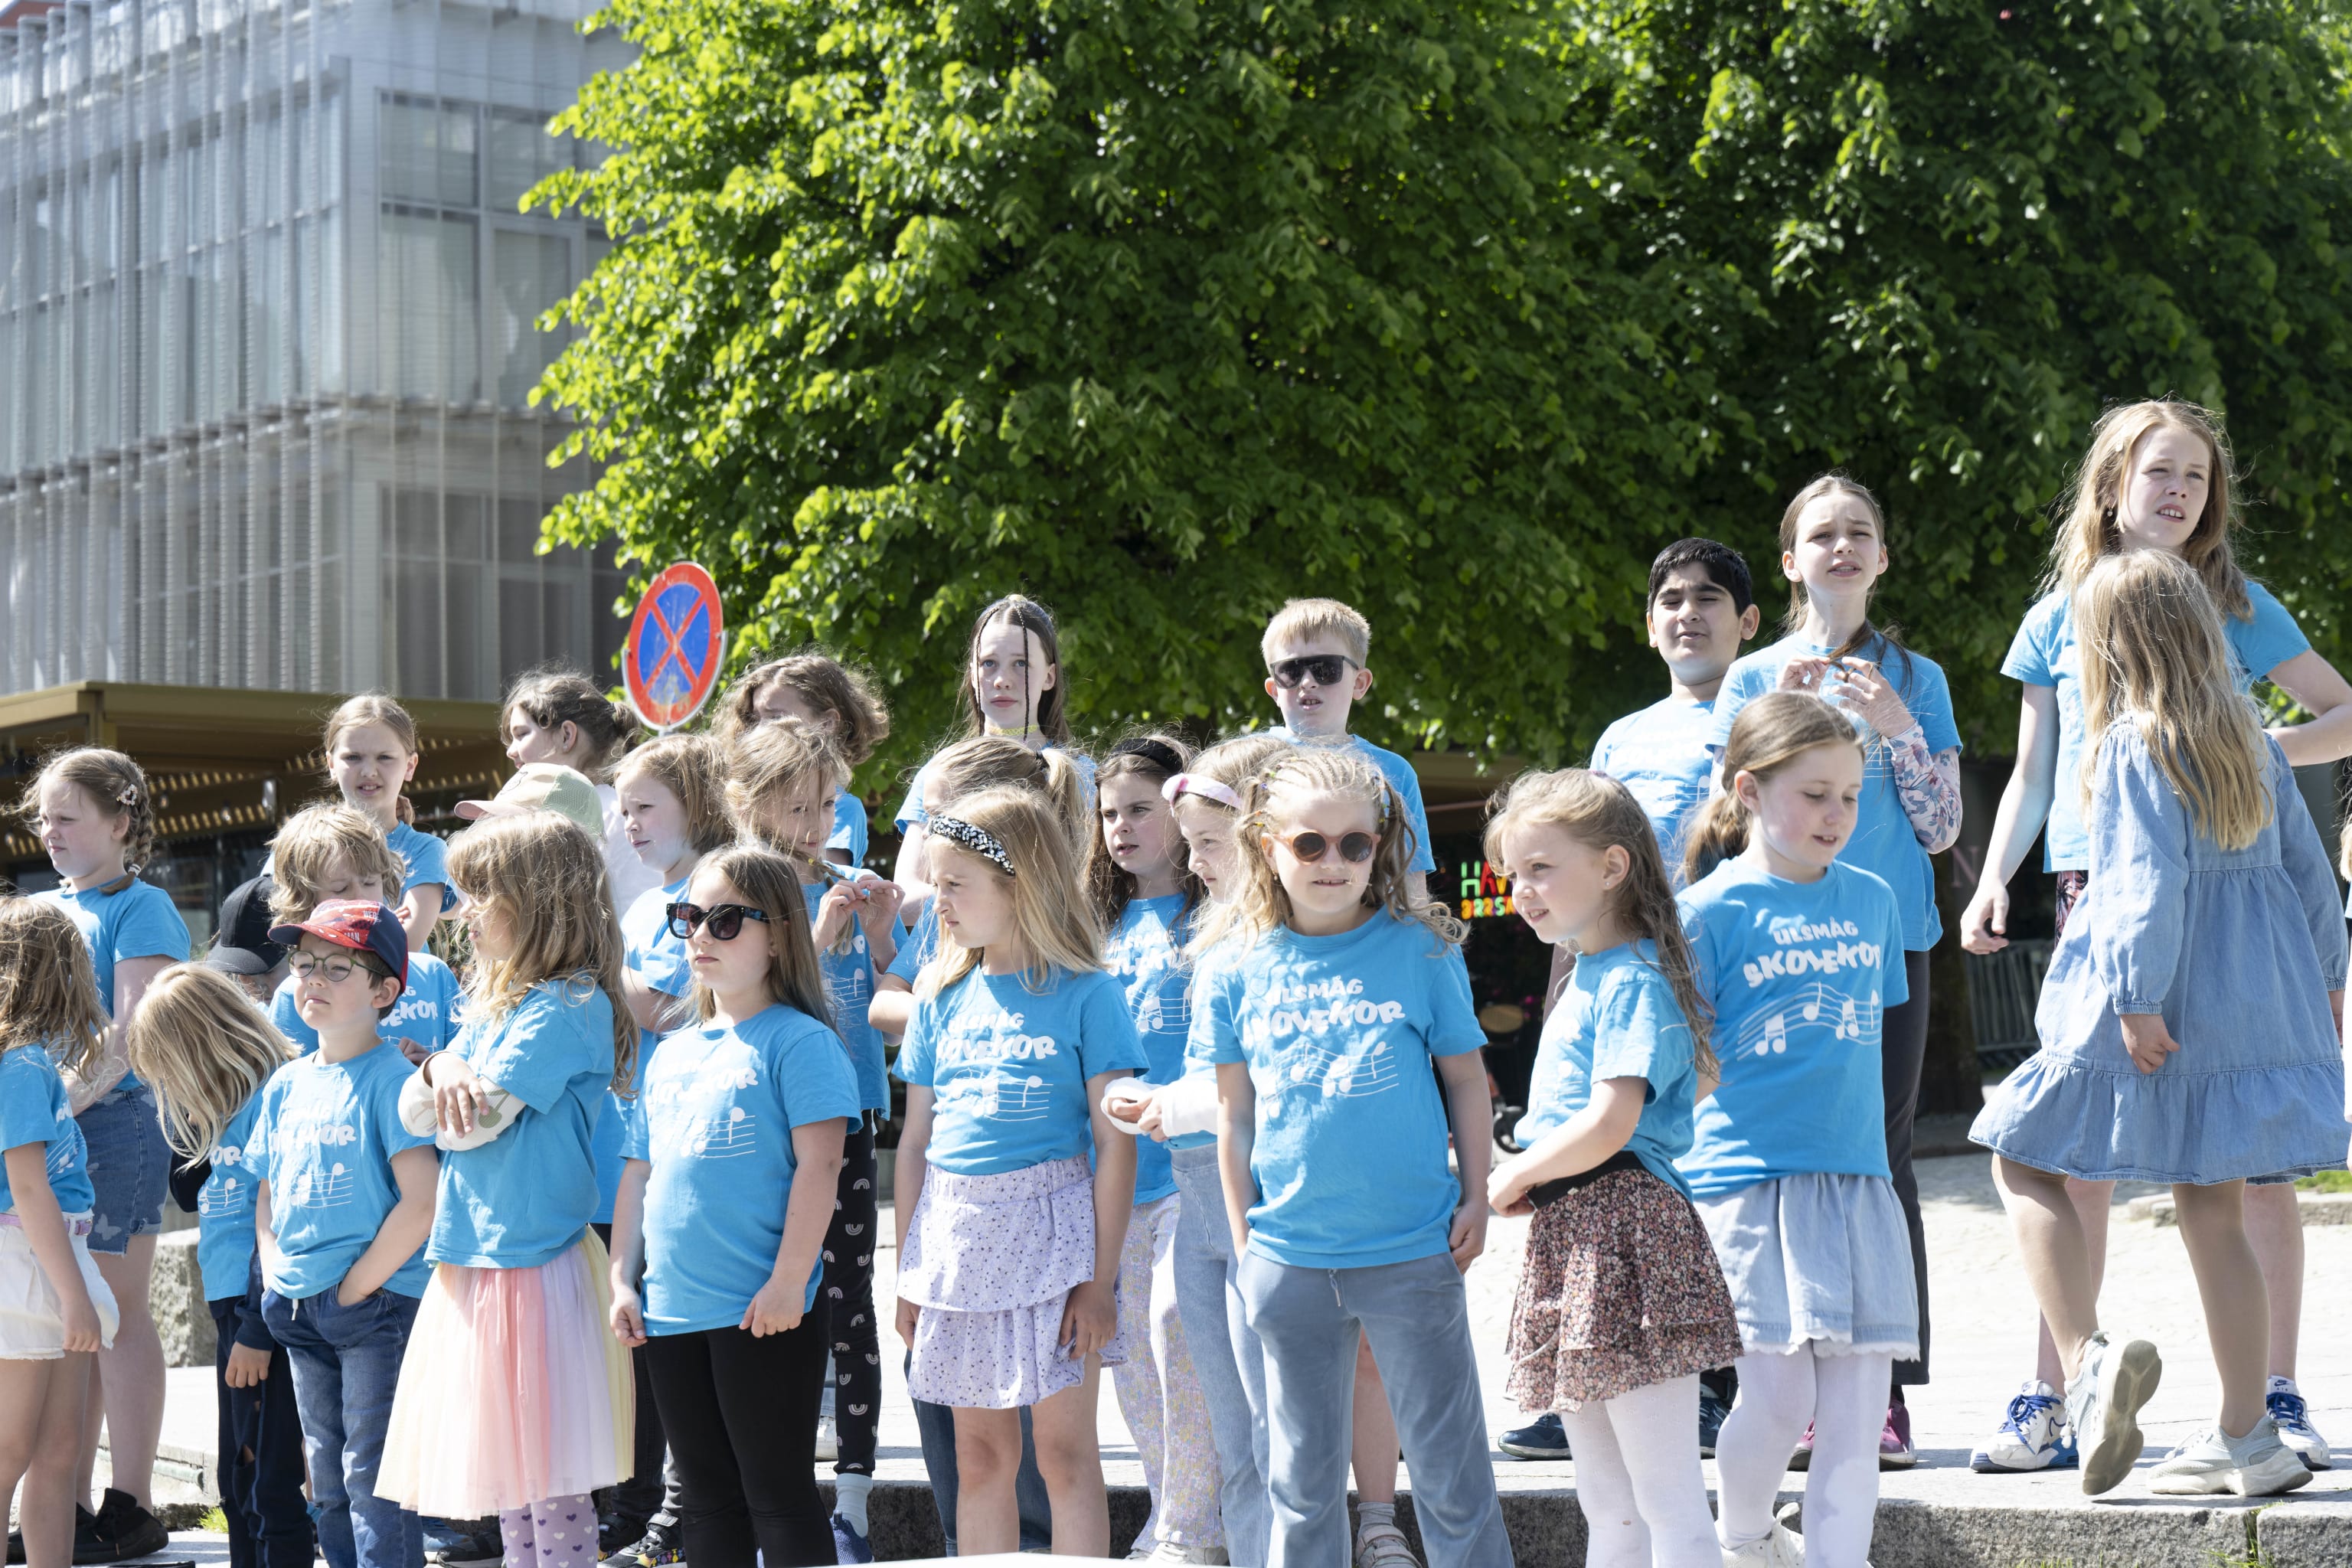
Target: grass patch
<point>216,1521</point>
<point>2326,1182</point>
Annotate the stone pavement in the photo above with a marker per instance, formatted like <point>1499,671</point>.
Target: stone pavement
<point>1939,1515</point>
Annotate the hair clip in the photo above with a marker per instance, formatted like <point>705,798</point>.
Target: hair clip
<point>964,836</point>
<point>1195,783</point>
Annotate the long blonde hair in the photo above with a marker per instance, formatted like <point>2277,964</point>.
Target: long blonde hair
<point>311,842</point>
<point>206,1050</point>
<point>116,787</point>
<point>2154,657</point>
<point>542,875</point>
<point>48,987</point>
<point>1346,774</point>
<point>768,883</point>
<point>1769,733</point>
<point>984,762</point>
<point>1598,811</point>
<point>2089,533</point>
<point>1236,764</point>
<point>694,770</point>
<point>772,761</point>
<point>1057,928</point>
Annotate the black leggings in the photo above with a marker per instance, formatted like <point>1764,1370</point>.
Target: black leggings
<point>1902,1051</point>
<point>639,1498</point>
<point>847,1299</point>
<point>740,1414</point>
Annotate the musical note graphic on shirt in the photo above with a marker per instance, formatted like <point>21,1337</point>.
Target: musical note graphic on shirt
<point>1170,1011</point>
<point>1341,1074</point>
<point>1819,1007</point>
<point>315,1189</point>
<point>723,1136</point>
<point>224,1197</point>
<point>1007,1099</point>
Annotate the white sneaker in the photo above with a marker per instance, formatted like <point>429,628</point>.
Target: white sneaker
<point>828,1440</point>
<point>2256,1464</point>
<point>1781,1549</point>
<point>2102,1406</point>
<point>2292,1418</point>
<point>1384,1546</point>
<point>1176,1552</point>
<point>2032,1434</point>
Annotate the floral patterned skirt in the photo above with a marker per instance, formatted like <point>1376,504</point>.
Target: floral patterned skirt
<point>1620,1290</point>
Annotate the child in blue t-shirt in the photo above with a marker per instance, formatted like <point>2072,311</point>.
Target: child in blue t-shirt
<point>1702,606</point>
<point>732,1146</point>
<point>1620,1304</point>
<point>1009,1236</point>
<point>1144,896</point>
<point>1800,959</point>
<point>839,702</point>
<point>1334,988</point>
<point>343,1199</point>
<point>209,1053</point>
<point>328,851</point>
<point>373,751</point>
<point>516,1399</point>
<point>1833,552</point>
<point>62,1311</point>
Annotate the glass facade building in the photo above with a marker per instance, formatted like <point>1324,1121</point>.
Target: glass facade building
<point>267,335</point>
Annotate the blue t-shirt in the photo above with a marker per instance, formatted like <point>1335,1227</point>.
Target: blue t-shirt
<point>33,1109</point>
<point>426,858</point>
<point>428,1012</point>
<point>323,1138</point>
<point>1660,754</point>
<point>1800,975</point>
<point>1400,774</point>
<point>1338,1032</point>
<point>916,947</point>
<point>911,808</point>
<point>849,987</point>
<point>518,1201</point>
<point>1617,1017</point>
<point>1143,954</point>
<point>141,921</point>
<point>225,1207</point>
<point>1010,1065</point>
<point>1883,843</point>
<point>660,959</point>
<point>848,826</point>
<point>2044,653</point>
<point>716,1120</point>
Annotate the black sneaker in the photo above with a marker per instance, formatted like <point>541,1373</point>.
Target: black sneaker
<point>121,1531</point>
<point>656,1548</point>
<point>615,1531</point>
<point>1542,1438</point>
<point>454,1540</point>
<point>1711,1412</point>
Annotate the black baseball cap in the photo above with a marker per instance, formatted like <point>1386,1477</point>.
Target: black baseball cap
<point>243,945</point>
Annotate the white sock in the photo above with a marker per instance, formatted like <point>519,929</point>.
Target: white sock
<point>849,1500</point>
<point>1372,1515</point>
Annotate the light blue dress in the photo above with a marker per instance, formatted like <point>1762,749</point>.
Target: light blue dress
<point>2238,949</point>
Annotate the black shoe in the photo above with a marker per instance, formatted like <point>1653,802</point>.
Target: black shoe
<point>656,1548</point>
<point>1711,1412</point>
<point>458,1541</point>
<point>121,1531</point>
<point>615,1530</point>
<point>1542,1438</point>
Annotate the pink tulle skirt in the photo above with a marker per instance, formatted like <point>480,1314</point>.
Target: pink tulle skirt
<point>513,1390</point>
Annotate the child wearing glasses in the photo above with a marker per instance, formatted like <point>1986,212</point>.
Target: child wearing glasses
<point>735,1147</point>
<point>1009,1236</point>
<point>343,1198</point>
<point>515,1399</point>
<point>1333,987</point>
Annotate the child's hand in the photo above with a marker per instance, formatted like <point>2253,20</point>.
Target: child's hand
<point>628,1316</point>
<point>878,905</point>
<point>776,1310</point>
<point>83,1331</point>
<point>1872,695</point>
<point>908,1312</point>
<point>459,1096</point>
<point>834,913</point>
<point>1468,1238</point>
<point>246,1366</point>
<point>1806,673</point>
<point>2147,1038</point>
<point>343,1297</point>
<point>1507,1189</point>
<point>1089,1319</point>
<point>415,1051</point>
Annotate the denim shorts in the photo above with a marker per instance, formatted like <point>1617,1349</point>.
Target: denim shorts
<point>130,1167</point>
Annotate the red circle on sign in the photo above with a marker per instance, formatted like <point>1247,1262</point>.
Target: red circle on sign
<point>676,645</point>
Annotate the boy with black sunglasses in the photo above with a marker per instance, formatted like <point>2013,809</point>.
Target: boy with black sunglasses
<point>1315,651</point>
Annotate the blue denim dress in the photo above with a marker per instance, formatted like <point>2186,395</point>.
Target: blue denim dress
<point>2238,949</point>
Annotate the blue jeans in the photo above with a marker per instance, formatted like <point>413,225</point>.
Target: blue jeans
<point>130,1167</point>
<point>260,1457</point>
<point>1418,1320</point>
<point>346,1366</point>
<point>1226,1356</point>
<point>936,1423</point>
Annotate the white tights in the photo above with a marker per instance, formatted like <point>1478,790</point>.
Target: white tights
<point>1638,1480</point>
<point>1844,1397</point>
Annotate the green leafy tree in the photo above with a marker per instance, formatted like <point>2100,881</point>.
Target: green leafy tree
<point>1160,314</point>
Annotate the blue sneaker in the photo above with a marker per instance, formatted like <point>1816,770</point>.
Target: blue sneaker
<point>2031,1436</point>
<point>1542,1438</point>
<point>1711,1414</point>
<point>849,1546</point>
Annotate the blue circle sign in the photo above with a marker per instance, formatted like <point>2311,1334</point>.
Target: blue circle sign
<point>677,643</point>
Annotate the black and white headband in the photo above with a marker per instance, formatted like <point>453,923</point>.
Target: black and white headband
<point>977,840</point>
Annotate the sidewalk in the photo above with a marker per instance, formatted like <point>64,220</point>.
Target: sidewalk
<point>1940,1515</point>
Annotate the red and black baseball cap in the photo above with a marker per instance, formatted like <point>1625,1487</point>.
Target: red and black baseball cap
<point>354,923</point>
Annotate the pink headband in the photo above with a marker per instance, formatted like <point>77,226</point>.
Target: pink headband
<point>1195,784</point>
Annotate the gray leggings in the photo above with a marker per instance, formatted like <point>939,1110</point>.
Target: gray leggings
<point>1226,1356</point>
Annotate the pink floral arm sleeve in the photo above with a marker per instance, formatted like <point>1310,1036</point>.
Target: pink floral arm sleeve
<point>1930,784</point>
